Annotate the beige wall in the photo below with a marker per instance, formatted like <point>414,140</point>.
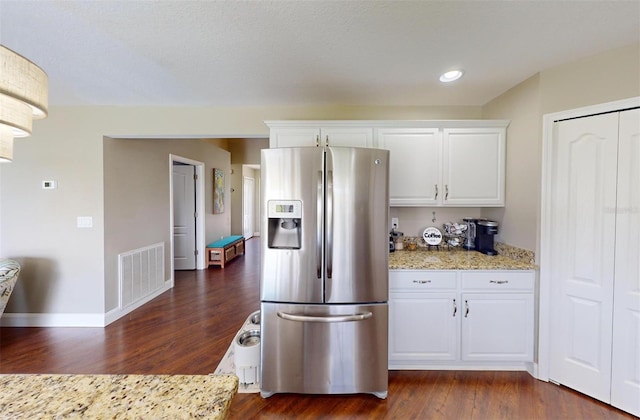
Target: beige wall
<point>64,266</point>
<point>247,151</point>
<point>601,78</point>
<point>136,206</point>
<point>236,199</point>
<point>64,269</point>
<point>518,219</point>
<point>244,152</point>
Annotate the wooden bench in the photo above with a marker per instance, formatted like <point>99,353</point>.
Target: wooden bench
<point>222,251</point>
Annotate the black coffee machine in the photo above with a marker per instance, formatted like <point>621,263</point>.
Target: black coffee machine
<point>485,230</point>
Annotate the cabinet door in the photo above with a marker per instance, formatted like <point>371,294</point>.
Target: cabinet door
<point>346,136</point>
<point>422,328</point>
<point>414,167</point>
<point>625,369</point>
<point>474,167</point>
<point>497,327</point>
<point>294,137</point>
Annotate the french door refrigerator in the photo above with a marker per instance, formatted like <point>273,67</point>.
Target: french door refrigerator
<point>324,271</point>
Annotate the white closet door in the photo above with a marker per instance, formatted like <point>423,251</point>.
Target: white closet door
<point>583,241</point>
<point>625,380</point>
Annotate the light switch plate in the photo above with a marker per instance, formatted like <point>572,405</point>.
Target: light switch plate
<point>85,221</point>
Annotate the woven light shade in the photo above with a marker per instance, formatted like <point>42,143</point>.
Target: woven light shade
<point>6,144</point>
<point>23,98</point>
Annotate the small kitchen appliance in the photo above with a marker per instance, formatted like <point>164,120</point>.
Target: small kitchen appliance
<point>485,231</point>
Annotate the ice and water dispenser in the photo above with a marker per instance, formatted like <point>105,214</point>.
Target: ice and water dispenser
<point>285,224</point>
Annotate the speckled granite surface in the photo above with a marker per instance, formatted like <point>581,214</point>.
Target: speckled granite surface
<point>422,259</point>
<point>116,396</point>
<point>515,252</point>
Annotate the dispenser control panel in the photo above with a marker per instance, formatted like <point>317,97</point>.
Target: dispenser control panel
<point>285,209</point>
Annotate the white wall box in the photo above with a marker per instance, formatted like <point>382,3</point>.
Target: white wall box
<point>593,269</point>
<point>458,163</point>
<point>461,319</point>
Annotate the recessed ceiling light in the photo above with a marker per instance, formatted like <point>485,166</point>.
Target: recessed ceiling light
<point>451,75</point>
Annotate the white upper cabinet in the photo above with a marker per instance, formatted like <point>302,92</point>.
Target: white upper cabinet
<point>458,163</point>
<point>446,163</point>
<point>303,134</point>
<point>294,137</point>
<point>415,171</point>
<point>474,166</point>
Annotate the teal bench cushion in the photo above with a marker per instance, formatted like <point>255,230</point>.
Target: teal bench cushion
<point>224,241</point>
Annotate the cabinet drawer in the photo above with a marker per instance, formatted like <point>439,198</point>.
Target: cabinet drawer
<point>215,255</point>
<point>422,280</point>
<point>229,253</point>
<point>498,280</point>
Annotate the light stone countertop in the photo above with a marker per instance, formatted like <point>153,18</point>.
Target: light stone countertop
<point>422,259</point>
<point>116,396</point>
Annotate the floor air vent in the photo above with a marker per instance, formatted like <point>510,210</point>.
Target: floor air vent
<point>141,273</point>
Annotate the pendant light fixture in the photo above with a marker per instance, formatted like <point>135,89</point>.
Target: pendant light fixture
<point>23,98</point>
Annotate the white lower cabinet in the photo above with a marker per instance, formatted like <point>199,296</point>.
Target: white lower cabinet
<point>460,319</point>
<point>423,327</point>
<point>497,327</point>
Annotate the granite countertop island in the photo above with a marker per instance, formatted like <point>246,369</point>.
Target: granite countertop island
<point>422,259</point>
<point>116,396</point>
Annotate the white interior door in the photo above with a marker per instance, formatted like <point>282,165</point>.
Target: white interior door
<point>583,240</point>
<point>184,217</point>
<point>625,376</point>
<point>248,205</point>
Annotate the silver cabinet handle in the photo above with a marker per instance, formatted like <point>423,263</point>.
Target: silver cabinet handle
<point>329,227</point>
<point>422,281</point>
<point>466,310</point>
<point>436,187</point>
<point>325,319</point>
<point>319,193</point>
<point>446,192</point>
<point>455,308</point>
<point>326,143</point>
<point>317,140</point>
<point>499,281</point>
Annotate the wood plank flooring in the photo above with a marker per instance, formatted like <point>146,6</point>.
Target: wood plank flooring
<point>188,329</point>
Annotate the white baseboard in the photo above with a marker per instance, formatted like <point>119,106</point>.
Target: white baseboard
<point>52,320</point>
<point>118,313</point>
<point>76,320</point>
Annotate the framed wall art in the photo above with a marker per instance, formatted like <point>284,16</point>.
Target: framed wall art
<point>218,191</point>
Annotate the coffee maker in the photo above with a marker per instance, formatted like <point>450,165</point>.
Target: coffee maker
<point>485,231</point>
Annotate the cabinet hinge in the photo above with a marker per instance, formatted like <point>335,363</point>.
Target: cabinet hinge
<point>195,252</point>
<point>195,177</point>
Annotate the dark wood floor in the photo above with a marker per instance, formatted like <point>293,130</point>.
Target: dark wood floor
<point>188,329</point>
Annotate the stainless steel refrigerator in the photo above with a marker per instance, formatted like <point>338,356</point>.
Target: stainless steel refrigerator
<point>324,271</point>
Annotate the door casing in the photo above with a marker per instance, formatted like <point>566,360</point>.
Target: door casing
<point>200,229</point>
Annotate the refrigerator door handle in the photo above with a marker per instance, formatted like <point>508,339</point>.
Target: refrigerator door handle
<point>319,226</point>
<point>329,227</point>
<point>325,319</point>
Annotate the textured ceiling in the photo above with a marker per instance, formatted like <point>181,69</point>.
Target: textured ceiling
<point>239,53</point>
